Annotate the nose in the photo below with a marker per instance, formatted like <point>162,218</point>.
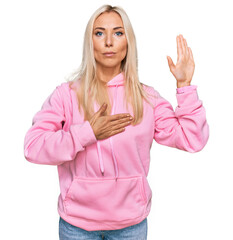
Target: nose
<point>108,40</point>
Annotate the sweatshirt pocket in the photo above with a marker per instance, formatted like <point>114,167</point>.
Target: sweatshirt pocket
<point>106,199</point>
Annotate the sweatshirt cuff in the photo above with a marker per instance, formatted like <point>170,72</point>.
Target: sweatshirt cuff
<point>187,97</point>
<point>84,133</point>
<point>185,89</point>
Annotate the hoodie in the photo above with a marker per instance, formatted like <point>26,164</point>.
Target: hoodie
<point>103,183</point>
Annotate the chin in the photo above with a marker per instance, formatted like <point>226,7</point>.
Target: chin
<point>109,65</point>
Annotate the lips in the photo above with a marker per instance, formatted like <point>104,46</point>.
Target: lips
<point>109,54</point>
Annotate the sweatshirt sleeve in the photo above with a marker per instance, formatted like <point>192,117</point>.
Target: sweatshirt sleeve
<point>185,128</point>
<point>47,143</point>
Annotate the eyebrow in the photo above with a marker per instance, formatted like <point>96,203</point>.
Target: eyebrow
<point>104,28</point>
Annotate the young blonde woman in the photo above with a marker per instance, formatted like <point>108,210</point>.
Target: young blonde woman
<point>98,128</point>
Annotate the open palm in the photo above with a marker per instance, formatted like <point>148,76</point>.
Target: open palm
<point>184,68</point>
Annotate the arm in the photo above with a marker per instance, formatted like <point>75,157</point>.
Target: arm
<point>47,143</point>
<point>186,128</point>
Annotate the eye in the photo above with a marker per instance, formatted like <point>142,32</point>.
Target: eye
<point>120,33</point>
<point>97,33</point>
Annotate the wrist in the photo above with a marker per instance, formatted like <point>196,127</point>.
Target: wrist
<point>186,89</point>
<point>183,84</point>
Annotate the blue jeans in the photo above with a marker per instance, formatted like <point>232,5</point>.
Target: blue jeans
<point>71,232</point>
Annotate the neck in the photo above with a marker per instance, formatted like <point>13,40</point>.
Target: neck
<point>105,74</point>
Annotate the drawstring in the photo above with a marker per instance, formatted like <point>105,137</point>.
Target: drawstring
<point>100,158</point>
<point>101,165</point>
<point>113,154</point>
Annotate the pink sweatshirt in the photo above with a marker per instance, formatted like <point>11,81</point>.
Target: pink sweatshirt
<point>103,183</point>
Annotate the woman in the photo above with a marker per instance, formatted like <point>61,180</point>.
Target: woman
<point>102,151</point>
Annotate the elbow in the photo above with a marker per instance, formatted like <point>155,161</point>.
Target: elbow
<point>30,158</point>
<point>27,156</point>
<point>43,161</point>
<point>197,148</point>
<point>196,141</point>
<point>203,138</point>
<point>38,158</point>
<point>199,144</point>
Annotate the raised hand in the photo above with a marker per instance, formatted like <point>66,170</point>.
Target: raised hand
<point>184,68</point>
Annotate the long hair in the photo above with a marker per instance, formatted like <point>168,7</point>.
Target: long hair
<point>90,89</point>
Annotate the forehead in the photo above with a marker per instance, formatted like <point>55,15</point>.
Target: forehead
<point>108,20</point>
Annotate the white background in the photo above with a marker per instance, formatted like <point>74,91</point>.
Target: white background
<point>41,43</point>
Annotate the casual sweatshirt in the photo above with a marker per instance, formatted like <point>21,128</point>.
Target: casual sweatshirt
<point>103,183</point>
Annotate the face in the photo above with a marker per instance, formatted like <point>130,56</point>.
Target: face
<point>109,37</point>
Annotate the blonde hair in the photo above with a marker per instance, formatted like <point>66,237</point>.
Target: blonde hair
<point>86,77</point>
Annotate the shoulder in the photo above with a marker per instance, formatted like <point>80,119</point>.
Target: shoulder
<point>150,90</point>
<point>152,94</point>
<point>59,96</point>
<point>65,88</point>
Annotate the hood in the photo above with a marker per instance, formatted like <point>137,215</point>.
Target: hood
<point>118,80</point>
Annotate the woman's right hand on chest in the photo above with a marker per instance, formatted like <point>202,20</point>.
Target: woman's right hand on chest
<point>106,126</point>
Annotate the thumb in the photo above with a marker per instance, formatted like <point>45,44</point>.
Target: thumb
<point>170,63</point>
<point>103,108</point>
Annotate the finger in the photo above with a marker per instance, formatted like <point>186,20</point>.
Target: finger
<point>119,123</point>
<point>186,47</point>
<point>111,133</point>
<point>115,127</point>
<point>102,109</point>
<point>118,116</point>
<point>190,53</point>
<point>122,120</point>
<point>116,122</point>
<point>182,44</point>
<point>179,48</point>
<point>170,62</point>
